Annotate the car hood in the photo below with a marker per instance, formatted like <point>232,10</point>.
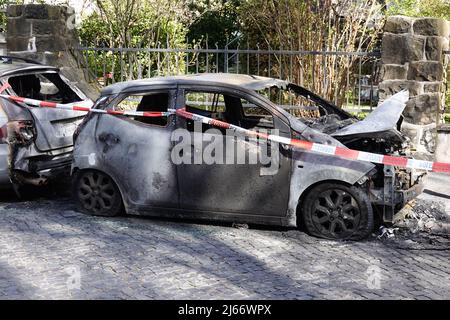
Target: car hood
<point>380,122</point>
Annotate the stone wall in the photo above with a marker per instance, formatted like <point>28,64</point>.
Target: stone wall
<point>42,33</point>
<point>413,59</point>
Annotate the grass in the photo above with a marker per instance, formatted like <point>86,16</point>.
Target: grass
<point>360,115</point>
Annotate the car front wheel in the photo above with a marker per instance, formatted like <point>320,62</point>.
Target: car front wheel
<point>96,193</point>
<point>337,211</point>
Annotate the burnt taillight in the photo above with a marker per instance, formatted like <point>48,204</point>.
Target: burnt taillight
<point>21,131</point>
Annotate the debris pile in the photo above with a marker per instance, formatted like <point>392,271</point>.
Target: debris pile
<point>425,216</point>
<point>421,225</point>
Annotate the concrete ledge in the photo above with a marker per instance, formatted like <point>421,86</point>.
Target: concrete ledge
<point>443,143</point>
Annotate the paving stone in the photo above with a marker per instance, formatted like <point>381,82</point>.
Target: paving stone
<point>132,258</point>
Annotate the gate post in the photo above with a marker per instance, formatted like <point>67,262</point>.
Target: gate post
<point>46,33</point>
<point>413,58</point>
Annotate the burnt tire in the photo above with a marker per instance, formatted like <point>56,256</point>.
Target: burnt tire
<point>95,193</point>
<point>336,211</point>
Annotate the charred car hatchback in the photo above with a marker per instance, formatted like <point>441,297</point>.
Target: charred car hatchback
<point>35,143</point>
<point>123,162</point>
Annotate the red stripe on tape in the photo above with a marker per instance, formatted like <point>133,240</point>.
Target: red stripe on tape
<point>76,108</point>
<point>115,112</point>
<point>395,161</point>
<point>219,124</point>
<point>152,114</point>
<point>302,144</point>
<point>48,104</point>
<point>184,113</point>
<point>18,99</point>
<point>441,167</point>
<point>4,87</point>
<point>346,153</point>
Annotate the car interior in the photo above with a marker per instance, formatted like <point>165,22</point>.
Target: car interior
<point>157,102</point>
<point>152,102</point>
<point>43,86</point>
<point>228,108</point>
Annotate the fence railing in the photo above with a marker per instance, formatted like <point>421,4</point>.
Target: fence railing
<point>347,78</point>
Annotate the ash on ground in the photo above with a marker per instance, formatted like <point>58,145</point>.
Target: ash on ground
<point>421,225</point>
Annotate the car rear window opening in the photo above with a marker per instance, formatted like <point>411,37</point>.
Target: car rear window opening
<point>43,86</point>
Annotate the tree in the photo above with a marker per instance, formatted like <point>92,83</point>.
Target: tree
<point>213,21</point>
<point>134,23</point>
<point>313,25</point>
<point>419,8</point>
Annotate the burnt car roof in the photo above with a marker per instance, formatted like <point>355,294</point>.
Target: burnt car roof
<point>16,67</point>
<point>249,82</point>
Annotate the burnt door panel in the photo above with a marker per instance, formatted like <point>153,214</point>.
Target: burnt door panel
<point>247,188</point>
<point>137,155</point>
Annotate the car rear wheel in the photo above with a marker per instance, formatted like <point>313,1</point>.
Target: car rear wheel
<point>96,193</point>
<point>336,211</point>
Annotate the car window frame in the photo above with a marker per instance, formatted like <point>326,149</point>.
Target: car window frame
<point>5,79</point>
<point>171,104</point>
<point>250,96</point>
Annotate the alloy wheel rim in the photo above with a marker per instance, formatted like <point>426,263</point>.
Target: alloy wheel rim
<point>96,192</point>
<point>336,213</point>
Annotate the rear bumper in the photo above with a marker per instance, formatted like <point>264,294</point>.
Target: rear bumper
<point>39,170</point>
<point>52,165</point>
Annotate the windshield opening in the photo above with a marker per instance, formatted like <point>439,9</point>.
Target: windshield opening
<point>43,86</point>
<point>299,106</point>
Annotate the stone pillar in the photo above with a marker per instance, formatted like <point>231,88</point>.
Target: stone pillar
<point>412,58</point>
<point>46,33</point>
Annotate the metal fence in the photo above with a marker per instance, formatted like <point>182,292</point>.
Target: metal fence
<point>326,72</point>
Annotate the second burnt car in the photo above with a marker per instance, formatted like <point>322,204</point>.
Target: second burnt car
<point>122,162</point>
<point>35,143</point>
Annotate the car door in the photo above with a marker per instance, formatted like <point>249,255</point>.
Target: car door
<point>235,186</point>
<point>135,151</point>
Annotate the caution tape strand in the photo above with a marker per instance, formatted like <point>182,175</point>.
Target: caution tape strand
<point>306,145</point>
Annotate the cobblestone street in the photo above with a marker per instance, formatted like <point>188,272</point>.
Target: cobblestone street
<point>49,251</point>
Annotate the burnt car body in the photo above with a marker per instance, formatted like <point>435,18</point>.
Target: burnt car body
<point>125,161</point>
<point>36,143</point>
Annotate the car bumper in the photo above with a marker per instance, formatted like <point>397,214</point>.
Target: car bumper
<point>395,195</point>
<point>407,195</point>
<point>39,170</point>
<point>47,167</point>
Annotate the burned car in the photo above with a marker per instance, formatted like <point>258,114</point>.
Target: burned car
<point>127,163</point>
<point>35,143</point>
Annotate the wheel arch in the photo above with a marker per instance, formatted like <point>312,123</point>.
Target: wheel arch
<point>306,175</point>
<point>354,229</point>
